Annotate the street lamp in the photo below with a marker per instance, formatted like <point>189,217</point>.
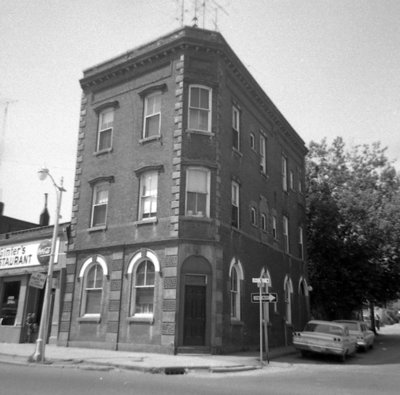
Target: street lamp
<point>38,355</point>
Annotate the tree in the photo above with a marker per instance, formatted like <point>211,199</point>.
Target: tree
<point>353,210</point>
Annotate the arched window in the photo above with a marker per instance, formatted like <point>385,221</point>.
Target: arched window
<point>235,274</point>
<point>144,289</point>
<point>288,289</point>
<point>92,274</point>
<point>142,271</point>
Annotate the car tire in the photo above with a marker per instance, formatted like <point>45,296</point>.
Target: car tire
<point>304,353</point>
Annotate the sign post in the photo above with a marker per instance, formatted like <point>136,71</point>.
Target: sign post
<point>261,298</point>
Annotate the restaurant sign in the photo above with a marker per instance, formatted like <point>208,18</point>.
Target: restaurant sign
<point>24,254</point>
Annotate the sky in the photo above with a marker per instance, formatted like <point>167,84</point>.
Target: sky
<point>332,67</point>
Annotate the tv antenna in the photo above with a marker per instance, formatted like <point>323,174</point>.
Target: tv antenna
<point>200,9</point>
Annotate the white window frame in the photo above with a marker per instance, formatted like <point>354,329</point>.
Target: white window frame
<point>235,128</point>
<point>284,173</point>
<point>192,109</point>
<point>137,259</point>
<point>102,129</point>
<point>208,177</point>
<point>151,195</point>
<point>99,187</point>
<point>263,154</point>
<point>86,267</point>
<point>136,288</point>
<point>154,113</point>
<point>285,233</point>
<point>235,202</point>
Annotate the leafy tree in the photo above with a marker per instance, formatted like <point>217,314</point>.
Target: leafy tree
<point>353,209</point>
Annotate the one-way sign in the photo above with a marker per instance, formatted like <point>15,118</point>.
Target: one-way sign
<point>265,297</point>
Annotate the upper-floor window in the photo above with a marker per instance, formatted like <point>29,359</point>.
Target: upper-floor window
<point>252,141</point>
<point>263,154</point>
<point>148,195</point>
<point>99,204</point>
<point>284,173</point>
<point>291,180</point>
<point>200,108</point>
<point>263,222</point>
<point>301,245</point>
<point>274,232</point>
<point>299,180</point>
<point>152,115</point>
<point>105,130</point>
<point>235,127</point>
<point>253,216</point>
<point>198,192</point>
<point>235,204</point>
<point>285,224</point>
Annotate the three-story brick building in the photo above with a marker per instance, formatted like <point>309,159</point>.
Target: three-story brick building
<point>188,185</point>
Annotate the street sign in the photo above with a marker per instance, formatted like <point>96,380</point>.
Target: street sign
<point>260,280</point>
<point>37,280</point>
<point>265,297</point>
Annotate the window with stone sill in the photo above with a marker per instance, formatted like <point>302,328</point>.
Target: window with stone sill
<point>199,117</point>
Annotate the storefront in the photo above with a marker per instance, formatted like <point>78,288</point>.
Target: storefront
<point>24,257</point>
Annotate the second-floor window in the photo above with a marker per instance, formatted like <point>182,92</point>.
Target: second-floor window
<point>235,128</point>
<point>274,233</point>
<point>301,245</point>
<point>105,131</point>
<point>148,195</point>
<point>263,154</point>
<point>152,115</point>
<point>285,224</point>
<point>200,108</point>
<point>235,204</point>
<point>99,205</point>
<point>197,192</point>
<point>284,174</point>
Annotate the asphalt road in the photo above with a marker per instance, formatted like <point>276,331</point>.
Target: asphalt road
<point>373,372</point>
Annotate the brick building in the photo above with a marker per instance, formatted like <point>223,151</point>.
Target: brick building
<point>188,185</point>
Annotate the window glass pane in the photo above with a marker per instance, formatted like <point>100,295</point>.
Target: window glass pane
<point>101,195</point>
<point>197,181</point>
<point>105,139</point>
<point>204,99</point>
<point>106,119</point>
<point>93,301</point>
<point>144,300</point>
<point>9,304</point>
<point>195,97</point>
<point>99,215</point>
<point>203,120</point>
<point>152,126</point>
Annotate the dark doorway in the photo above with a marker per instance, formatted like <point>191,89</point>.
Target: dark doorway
<point>194,327</point>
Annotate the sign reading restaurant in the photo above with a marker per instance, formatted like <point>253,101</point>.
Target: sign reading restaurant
<point>22,255</point>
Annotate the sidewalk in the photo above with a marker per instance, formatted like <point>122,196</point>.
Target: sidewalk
<point>97,359</point>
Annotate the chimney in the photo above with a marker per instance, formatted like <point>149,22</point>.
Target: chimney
<point>1,208</point>
<point>44,216</point>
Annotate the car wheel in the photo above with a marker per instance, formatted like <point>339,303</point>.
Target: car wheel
<point>304,353</point>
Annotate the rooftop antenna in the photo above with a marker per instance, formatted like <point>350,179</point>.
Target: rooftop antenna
<point>217,7</point>
<point>195,19</point>
<point>6,103</point>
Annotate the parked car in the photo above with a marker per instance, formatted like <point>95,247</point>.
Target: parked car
<point>325,337</point>
<point>359,329</point>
